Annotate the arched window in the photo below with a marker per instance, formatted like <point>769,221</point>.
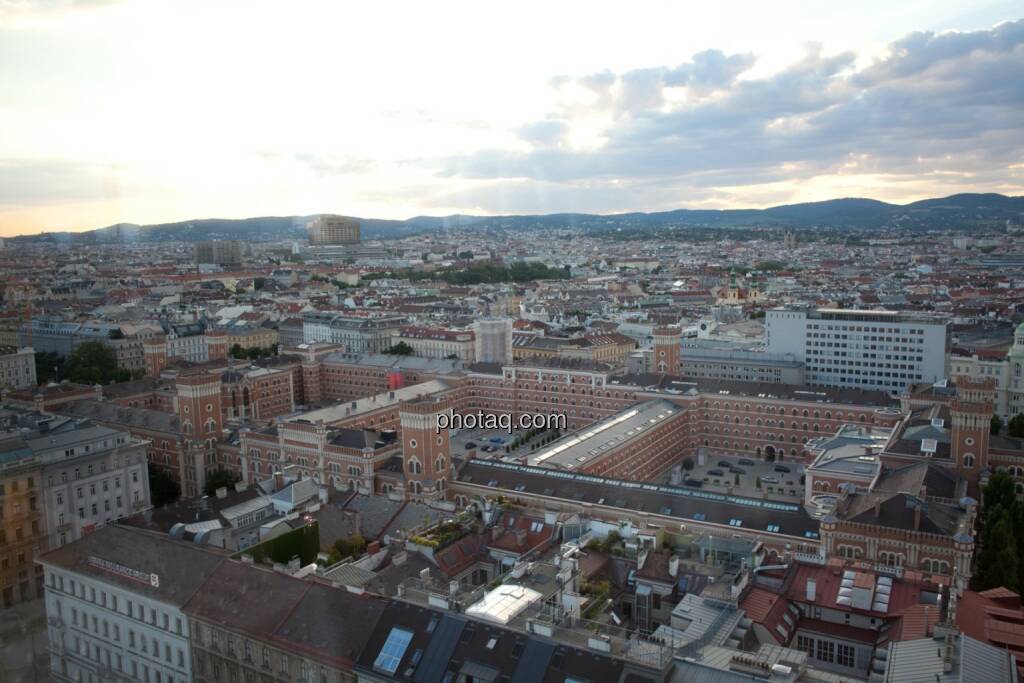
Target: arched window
<point>969,460</point>
<point>415,467</point>
<point>416,488</point>
<point>439,465</point>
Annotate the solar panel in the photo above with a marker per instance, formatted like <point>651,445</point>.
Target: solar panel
<point>390,655</point>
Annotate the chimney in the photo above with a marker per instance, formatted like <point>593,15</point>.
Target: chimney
<point>947,655</point>
<point>278,480</point>
<point>520,538</point>
<point>673,566</point>
<point>98,388</point>
<point>222,492</point>
<point>878,508</point>
<point>373,548</point>
<point>917,515</point>
<point>496,532</point>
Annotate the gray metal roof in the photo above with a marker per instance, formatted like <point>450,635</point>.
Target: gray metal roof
<point>921,661</point>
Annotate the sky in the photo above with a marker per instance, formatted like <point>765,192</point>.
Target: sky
<point>150,111</point>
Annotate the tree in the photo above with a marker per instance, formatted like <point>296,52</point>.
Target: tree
<point>48,366</point>
<point>998,493</point>
<point>218,478</point>
<point>995,425</point>
<point>399,349</point>
<point>353,546</point>
<point>999,562</point>
<point>465,255</point>
<point>1001,556</point>
<point>1015,427</point>
<point>688,464</point>
<point>163,489</point>
<point>258,283</point>
<point>237,351</point>
<point>92,362</point>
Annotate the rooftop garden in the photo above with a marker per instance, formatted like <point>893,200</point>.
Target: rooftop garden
<point>443,534</point>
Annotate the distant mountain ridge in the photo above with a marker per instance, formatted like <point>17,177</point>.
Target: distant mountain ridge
<point>960,210</point>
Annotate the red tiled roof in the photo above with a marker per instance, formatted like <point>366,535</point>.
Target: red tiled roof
<point>461,555</point>
<point>768,609</point>
<point>508,542</point>
<point>844,631</point>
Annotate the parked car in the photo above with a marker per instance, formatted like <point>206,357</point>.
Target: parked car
<point>470,444</point>
<point>770,479</point>
<point>737,470</point>
<point>716,473</point>
<point>695,483</point>
<point>488,449</point>
<point>724,463</point>
<point>746,463</point>
<point>782,468</point>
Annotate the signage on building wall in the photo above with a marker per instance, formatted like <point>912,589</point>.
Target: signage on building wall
<point>127,572</point>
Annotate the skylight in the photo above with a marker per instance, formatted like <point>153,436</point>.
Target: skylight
<point>394,649</point>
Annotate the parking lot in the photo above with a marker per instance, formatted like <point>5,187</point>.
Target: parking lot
<point>747,476</point>
<point>491,443</point>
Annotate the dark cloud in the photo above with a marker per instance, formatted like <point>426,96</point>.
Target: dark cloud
<point>944,104</point>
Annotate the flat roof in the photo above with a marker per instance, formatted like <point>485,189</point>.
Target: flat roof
<point>680,502</point>
<point>384,399</point>
<point>593,441</point>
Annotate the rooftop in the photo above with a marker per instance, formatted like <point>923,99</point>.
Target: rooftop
<point>657,499</point>
<point>148,563</point>
<point>574,450</point>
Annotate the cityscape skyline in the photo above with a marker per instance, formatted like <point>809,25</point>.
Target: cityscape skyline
<point>735,109</point>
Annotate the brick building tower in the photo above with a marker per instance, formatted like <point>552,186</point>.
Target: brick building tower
<point>200,413</point>
<point>426,455</point>
<point>216,344</point>
<point>154,350</point>
<point>971,412</point>
<point>666,350</point>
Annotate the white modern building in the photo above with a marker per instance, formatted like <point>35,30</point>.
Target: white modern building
<point>882,350</point>
<point>113,606</point>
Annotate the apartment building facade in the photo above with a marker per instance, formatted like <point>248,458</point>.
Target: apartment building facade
<point>114,606</point>
<point>354,333</point>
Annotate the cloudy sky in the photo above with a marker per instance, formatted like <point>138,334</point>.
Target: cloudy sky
<point>157,111</point>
